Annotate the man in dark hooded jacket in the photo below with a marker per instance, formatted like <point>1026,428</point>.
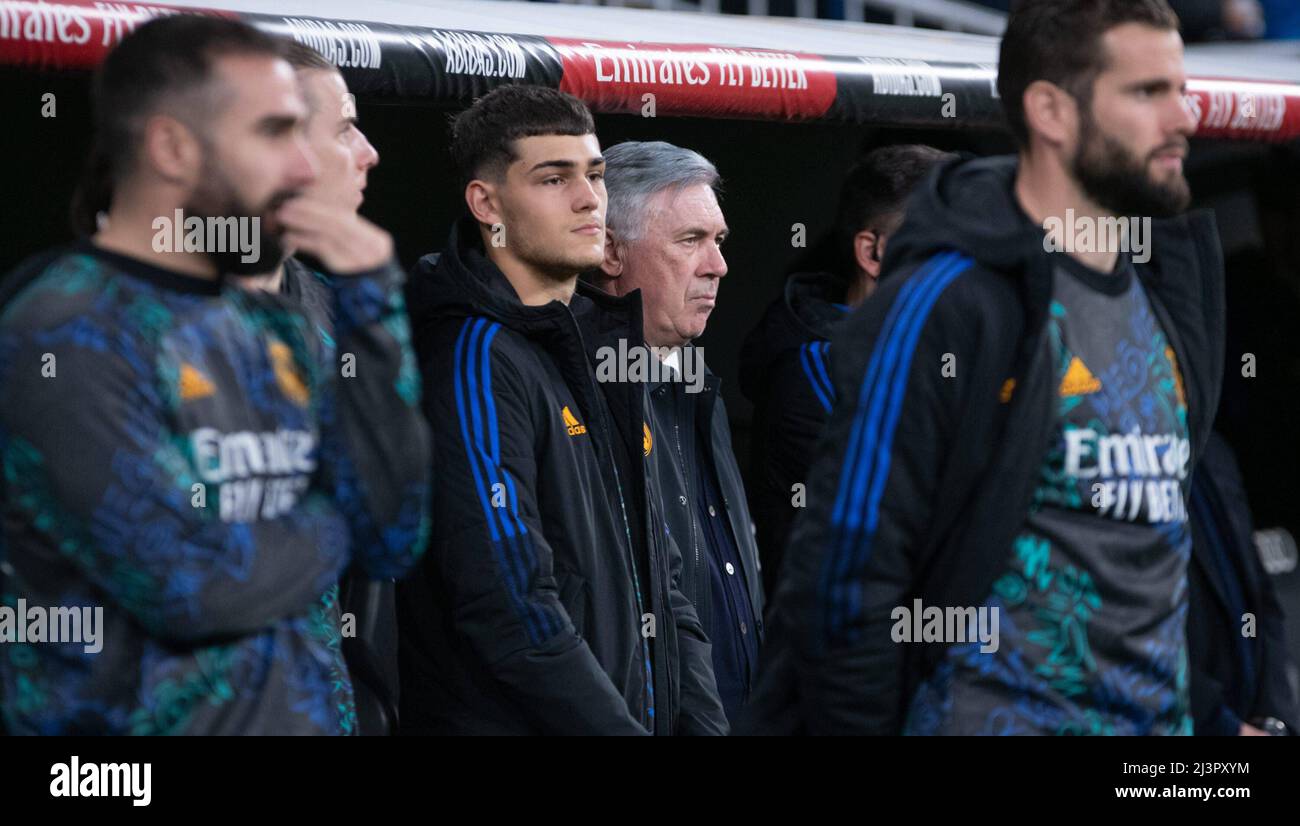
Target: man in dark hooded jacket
<point>548,603</point>
<point>785,361</point>
<point>996,539</point>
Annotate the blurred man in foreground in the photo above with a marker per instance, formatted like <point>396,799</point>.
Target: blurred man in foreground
<point>185,462</point>
<point>343,160</point>
<point>996,539</point>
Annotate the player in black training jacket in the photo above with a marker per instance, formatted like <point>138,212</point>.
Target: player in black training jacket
<point>548,601</point>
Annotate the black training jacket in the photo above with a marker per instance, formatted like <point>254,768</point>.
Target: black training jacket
<point>671,451</point>
<point>945,474</point>
<point>785,371</point>
<point>546,605</point>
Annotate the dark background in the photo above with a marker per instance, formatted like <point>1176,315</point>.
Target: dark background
<point>775,175</point>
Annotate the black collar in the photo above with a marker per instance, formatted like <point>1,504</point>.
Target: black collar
<point>169,280</point>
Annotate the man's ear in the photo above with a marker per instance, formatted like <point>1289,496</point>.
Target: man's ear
<point>1051,112</point>
<point>172,150</point>
<point>481,198</point>
<point>867,253</point>
<point>612,265</point>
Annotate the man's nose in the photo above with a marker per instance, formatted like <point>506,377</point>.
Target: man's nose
<point>715,264</point>
<point>367,155</point>
<point>587,197</point>
<point>303,165</point>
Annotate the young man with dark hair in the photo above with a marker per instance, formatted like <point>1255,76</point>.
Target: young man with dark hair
<point>548,601</point>
<point>996,534</point>
<point>872,206</point>
<point>785,363</point>
<point>179,454</point>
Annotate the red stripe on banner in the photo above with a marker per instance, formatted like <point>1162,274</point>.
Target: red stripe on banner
<point>694,79</point>
<point>639,78</point>
<point>71,34</point>
<point>1245,109</point>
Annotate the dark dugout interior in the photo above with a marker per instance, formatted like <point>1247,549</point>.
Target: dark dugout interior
<point>776,175</point>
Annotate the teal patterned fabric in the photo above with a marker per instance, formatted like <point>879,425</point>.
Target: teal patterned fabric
<point>188,467</point>
<point>1093,601</point>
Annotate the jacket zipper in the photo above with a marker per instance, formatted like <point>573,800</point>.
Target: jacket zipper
<point>647,666</point>
<point>686,479</point>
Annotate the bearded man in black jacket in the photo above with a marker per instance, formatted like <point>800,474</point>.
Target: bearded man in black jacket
<point>996,539</point>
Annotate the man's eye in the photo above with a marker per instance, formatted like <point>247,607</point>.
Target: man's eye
<point>554,180</point>
<point>597,176</point>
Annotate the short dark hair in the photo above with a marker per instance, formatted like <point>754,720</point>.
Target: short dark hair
<point>162,63</point>
<point>1060,41</point>
<point>483,136</point>
<point>877,188</point>
<point>302,57</point>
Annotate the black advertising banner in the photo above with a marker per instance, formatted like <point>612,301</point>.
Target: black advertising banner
<point>410,64</point>
<point>415,64</point>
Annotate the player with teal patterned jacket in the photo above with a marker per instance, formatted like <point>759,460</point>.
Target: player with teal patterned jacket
<point>181,452</point>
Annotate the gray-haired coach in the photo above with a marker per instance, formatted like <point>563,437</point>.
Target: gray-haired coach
<point>664,233</point>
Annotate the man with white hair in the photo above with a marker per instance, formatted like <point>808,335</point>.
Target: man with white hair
<point>664,233</point>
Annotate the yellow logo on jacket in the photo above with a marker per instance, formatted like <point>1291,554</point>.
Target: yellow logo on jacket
<point>571,423</point>
<point>1178,376</point>
<point>1008,388</point>
<point>195,385</point>
<point>1079,380</point>
<point>286,373</point>
<point>647,441</point>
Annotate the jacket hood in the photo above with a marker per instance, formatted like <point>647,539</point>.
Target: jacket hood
<point>810,306</point>
<point>815,302</point>
<point>462,281</point>
<point>968,205</point>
